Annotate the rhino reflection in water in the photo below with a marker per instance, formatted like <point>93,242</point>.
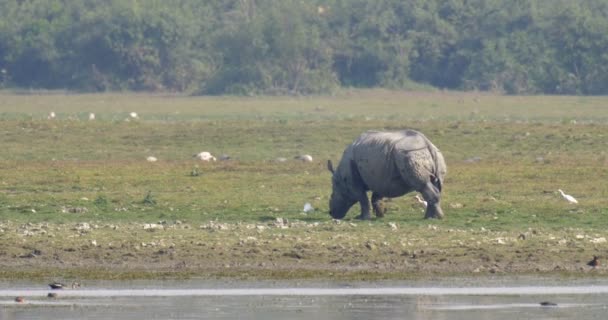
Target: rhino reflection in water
<point>390,164</point>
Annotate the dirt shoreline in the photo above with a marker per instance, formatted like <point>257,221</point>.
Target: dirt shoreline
<point>283,250</point>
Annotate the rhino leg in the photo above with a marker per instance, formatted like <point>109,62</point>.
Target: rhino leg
<point>432,195</point>
<point>361,188</point>
<point>379,209</point>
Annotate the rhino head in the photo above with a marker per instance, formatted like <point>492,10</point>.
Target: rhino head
<point>340,201</point>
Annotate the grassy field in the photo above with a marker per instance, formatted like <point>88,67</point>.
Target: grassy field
<point>506,157</point>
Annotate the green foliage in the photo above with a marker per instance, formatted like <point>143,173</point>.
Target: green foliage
<point>101,201</point>
<point>149,199</point>
<point>255,47</point>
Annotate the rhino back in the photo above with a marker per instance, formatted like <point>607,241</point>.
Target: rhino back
<point>379,157</point>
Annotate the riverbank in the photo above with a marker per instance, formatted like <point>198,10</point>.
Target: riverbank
<point>281,249</point>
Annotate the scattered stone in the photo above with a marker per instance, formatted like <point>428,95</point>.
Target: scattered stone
<point>151,159</point>
<point>456,205</point>
<point>369,245</point>
<point>52,295</point>
<point>392,225</point>
<point>293,254</point>
<point>205,156</point>
<point>74,210</point>
<point>281,223</point>
<point>225,157</point>
<point>472,160</point>
<point>500,240</point>
<point>215,226</point>
<point>280,159</point>
<point>304,158</point>
<point>598,240</point>
<point>82,227</point>
<point>153,226</point>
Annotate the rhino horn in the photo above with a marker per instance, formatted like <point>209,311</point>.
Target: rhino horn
<point>330,166</point>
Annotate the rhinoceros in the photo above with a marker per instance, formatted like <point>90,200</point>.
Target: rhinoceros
<point>390,164</point>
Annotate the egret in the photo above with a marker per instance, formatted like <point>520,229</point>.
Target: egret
<point>133,115</point>
<point>91,116</point>
<point>308,208</point>
<point>51,115</point>
<point>421,201</point>
<point>568,197</point>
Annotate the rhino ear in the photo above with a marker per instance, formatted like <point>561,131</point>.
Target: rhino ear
<point>330,166</point>
<point>436,182</point>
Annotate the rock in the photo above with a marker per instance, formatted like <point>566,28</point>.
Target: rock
<point>153,226</point>
<point>151,159</point>
<point>472,160</point>
<point>82,227</point>
<point>456,205</point>
<point>304,158</point>
<point>205,156</point>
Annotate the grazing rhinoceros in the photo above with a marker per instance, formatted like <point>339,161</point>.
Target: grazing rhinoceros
<point>390,164</point>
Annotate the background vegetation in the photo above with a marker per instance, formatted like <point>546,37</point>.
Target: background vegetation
<point>301,47</point>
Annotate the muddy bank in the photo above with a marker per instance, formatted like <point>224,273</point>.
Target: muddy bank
<point>283,249</point>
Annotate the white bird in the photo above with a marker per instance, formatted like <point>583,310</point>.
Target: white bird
<point>51,115</point>
<point>205,156</point>
<point>308,208</point>
<point>568,197</point>
<point>91,116</point>
<point>133,115</point>
<point>421,201</point>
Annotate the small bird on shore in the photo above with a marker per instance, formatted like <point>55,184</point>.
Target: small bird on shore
<point>594,262</point>
<point>548,304</point>
<point>19,299</point>
<point>421,201</point>
<point>52,295</point>
<point>568,197</point>
<point>59,285</point>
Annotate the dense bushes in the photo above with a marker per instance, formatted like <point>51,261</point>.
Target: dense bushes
<point>303,47</point>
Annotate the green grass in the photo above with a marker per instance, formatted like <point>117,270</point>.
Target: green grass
<point>70,170</point>
<point>49,165</point>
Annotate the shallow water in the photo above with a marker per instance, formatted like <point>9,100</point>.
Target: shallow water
<point>439,299</point>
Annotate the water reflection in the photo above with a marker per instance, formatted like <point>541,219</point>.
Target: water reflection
<point>280,300</point>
